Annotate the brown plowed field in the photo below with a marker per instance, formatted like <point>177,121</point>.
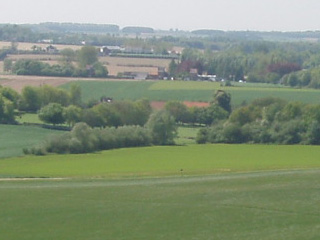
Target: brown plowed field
<point>19,82</point>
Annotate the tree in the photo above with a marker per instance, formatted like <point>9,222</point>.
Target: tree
<point>72,114</point>
<point>142,111</point>
<point>31,99</point>
<point>67,55</point>
<point>162,127</point>
<point>7,65</point>
<point>178,110</point>
<point>213,114</point>
<point>313,133</point>
<point>173,68</point>
<point>52,113</point>
<point>233,134</point>
<point>10,94</point>
<point>87,56</point>
<point>99,70</point>
<point>107,115</point>
<point>223,99</point>
<point>75,95</point>
<point>51,94</point>
<point>6,110</point>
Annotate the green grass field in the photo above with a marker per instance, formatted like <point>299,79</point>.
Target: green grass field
<point>29,118</point>
<point>164,161</point>
<point>186,135</point>
<point>250,206</point>
<point>190,91</point>
<point>13,138</point>
<point>226,192</point>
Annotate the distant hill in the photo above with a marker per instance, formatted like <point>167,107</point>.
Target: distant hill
<point>257,35</point>
<point>137,30</point>
<point>75,27</point>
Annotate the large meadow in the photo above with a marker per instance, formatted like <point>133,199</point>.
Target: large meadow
<point>184,192</point>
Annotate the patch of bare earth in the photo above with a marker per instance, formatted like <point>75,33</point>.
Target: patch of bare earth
<point>157,105</point>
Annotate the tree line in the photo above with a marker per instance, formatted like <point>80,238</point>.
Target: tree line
<point>86,59</point>
<point>268,121</point>
<point>292,64</point>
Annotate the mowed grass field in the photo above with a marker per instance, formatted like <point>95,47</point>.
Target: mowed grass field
<point>13,138</point>
<point>164,161</point>
<point>190,91</point>
<point>226,192</point>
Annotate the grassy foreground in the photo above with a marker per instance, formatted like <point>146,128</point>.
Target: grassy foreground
<point>257,192</point>
<point>247,206</point>
<point>164,161</point>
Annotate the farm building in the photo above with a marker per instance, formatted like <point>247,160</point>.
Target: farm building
<point>106,50</point>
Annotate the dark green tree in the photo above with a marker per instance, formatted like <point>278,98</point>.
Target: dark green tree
<point>178,110</point>
<point>72,114</point>
<point>87,56</point>
<point>222,99</point>
<point>162,127</point>
<point>52,113</point>
<point>75,95</point>
<point>31,99</point>
<point>68,55</point>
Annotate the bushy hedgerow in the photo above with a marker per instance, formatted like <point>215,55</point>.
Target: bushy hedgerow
<point>84,139</point>
<point>267,120</point>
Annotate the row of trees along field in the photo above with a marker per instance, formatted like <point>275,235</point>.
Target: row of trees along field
<point>292,64</point>
<point>86,59</point>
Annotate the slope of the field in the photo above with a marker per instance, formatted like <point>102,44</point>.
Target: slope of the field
<point>164,161</point>
<point>251,206</point>
<point>14,138</point>
<point>190,91</point>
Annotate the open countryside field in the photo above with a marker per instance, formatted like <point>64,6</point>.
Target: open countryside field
<point>165,161</point>
<point>245,201</point>
<point>278,205</point>
<point>190,91</point>
<point>14,138</point>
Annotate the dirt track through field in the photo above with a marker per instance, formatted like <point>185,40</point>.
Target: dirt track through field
<point>85,183</point>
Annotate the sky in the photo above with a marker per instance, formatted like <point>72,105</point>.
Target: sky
<point>228,15</point>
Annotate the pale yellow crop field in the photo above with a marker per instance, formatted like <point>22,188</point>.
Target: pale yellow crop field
<point>137,62</point>
<point>27,46</point>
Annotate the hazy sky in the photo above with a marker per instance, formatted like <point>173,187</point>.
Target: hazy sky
<point>268,15</point>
